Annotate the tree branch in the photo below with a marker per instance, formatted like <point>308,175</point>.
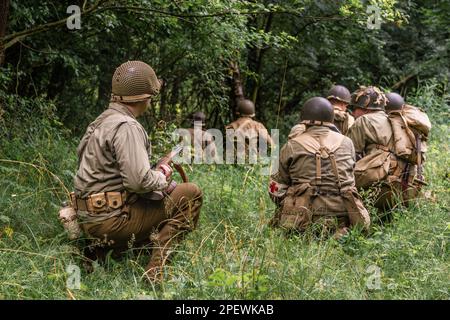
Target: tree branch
<point>12,39</point>
<point>403,81</point>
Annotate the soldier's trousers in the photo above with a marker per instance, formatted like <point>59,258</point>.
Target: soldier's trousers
<point>391,195</point>
<point>159,222</point>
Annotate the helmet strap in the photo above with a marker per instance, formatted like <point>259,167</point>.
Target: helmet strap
<point>137,98</point>
<point>316,123</point>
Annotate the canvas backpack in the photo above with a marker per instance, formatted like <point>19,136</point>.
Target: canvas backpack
<point>296,211</point>
<point>410,127</point>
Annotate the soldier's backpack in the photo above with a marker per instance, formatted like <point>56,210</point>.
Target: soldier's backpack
<point>298,206</point>
<point>373,168</point>
<point>410,127</point>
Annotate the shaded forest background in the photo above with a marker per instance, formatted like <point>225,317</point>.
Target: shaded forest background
<point>54,81</point>
<point>287,51</point>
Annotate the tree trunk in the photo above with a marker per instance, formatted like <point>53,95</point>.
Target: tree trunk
<point>4,10</point>
<point>106,71</point>
<point>238,89</point>
<point>259,56</point>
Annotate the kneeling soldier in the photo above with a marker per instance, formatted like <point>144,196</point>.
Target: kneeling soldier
<point>315,182</point>
<point>339,96</point>
<point>120,200</point>
<point>380,139</point>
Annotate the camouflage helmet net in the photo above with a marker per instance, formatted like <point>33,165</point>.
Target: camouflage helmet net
<point>246,107</point>
<point>370,98</point>
<point>134,81</point>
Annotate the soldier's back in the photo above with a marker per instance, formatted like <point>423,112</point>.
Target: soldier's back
<point>303,163</point>
<point>371,131</point>
<point>98,170</point>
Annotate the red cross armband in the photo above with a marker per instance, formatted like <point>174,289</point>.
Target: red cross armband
<point>276,189</point>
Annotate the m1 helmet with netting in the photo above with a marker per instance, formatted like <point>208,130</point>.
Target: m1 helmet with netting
<point>134,81</point>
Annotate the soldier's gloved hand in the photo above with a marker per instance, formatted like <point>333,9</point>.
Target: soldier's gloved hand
<point>166,170</point>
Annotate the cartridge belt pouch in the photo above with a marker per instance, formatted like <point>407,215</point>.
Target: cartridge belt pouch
<point>101,202</point>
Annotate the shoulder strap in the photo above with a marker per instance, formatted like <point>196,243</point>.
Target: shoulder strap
<point>319,155</point>
<point>319,147</point>
<point>335,169</point>
<point>405,125</point>
<point>318,168</point>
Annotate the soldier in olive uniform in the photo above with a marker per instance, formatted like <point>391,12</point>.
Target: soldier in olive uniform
<point>315,183</point>
<point>339,96</point>
<point>201,139</point>
<point>411,128</point>
<point>247,130</point>
<point>121,201</point>
<point>372,135</point>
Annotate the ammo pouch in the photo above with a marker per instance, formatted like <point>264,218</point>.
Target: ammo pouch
<point>295,213</point>
<point>102,202</point>
<point>372,168</point>
<point>357,213</point>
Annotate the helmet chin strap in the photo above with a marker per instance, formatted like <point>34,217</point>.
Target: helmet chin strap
<point>317,123</point>
<point>321,123</point>
<point>137,98</point>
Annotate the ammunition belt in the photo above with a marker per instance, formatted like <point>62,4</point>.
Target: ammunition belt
<point>321,192</point>
<point>101,202</point>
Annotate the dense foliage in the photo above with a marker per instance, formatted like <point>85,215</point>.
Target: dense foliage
<point>286,50</point>
<point>54,81</point>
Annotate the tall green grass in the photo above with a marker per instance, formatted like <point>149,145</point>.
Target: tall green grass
<point>233,254</point>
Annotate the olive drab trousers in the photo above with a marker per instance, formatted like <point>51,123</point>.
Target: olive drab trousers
<point>161,223</point>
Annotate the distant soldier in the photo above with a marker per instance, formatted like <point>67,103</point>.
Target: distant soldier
<point>199,138</point>
<point>379,165</point>
<point>121,201</point>
<point>339,96</point>
<point>248,130</point>
<point>315,183</point>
